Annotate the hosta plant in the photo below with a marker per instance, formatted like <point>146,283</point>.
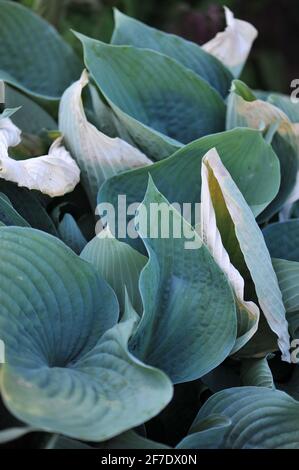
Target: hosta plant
<point>116,323</point>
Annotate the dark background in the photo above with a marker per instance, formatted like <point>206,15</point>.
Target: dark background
<point>274,59</point>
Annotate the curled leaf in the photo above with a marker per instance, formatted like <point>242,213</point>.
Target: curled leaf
<point>98,155</point>
<point>10,135</point>
<point>248,312</point>
<point>232,45</point>
<point>253,248</point>
<point>54,174</point>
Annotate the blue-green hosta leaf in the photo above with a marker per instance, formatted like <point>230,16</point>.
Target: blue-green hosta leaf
<point>27,204</point>
<point>292,386</point>
<point>33,57</point>
<point>31,118</point>
<point>119,264</point>
<point>154,96</point>
<point>261,418</point>
<point>282,239</point>
<point>252,245</point>
<point>232,46</point>
<point>284,102</point>
<point>62,442</point>
<point>71,234</point>
<point>244,110</point>
<point>206,434</point>
<point>131,440</point>
<point>8,215</point>
<point>188,304</point>
<point>129,31</point>
<point>68,369</point>
<point>288,277</point>
<point>257,373</point>
<point>250,160</point>
<point>223,376</point>
<point>127,440</point>
<point>11,434</point>
<point>104,118</point>
<point>291,109</point>
<point>98,156</point>
<point>263,342</point>
<point>8,112</point>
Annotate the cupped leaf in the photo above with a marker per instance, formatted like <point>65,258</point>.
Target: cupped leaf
<point>68,369</point>
<point>232,46</point>
<point>254,250</point>
<point>129,31</point>
<point>261,418</point>
<point>250,160</point>
<point>282,239</point>
<point>33,57</point>
<point>98,156</point>
<point>119,264</point>
<point>188,304</point>
<point>154,96</point>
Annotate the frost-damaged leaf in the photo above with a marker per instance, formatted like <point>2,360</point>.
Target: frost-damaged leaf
<point>10,135</point>
<point>232,46</point>
<point>98,156</point>
<point>33,57</point>
<point>119,264</point>
<point>213,214</point>
<point>68,369</point>
<point>249,158</point>
<point>188,303</point>
<point>161,103</point>
<point>254,250</point>
<point>54,174</point>
<point>261,418</point>
<point>245,110</point>
<point>132,32</point>
<point>256,372</point>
